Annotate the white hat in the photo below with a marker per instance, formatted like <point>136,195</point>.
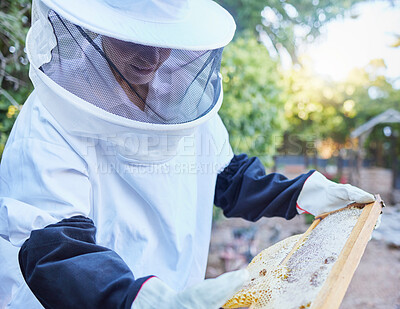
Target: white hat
<point>180,24</point>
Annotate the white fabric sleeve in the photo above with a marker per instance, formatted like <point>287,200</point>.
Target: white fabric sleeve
<point>41,184</point>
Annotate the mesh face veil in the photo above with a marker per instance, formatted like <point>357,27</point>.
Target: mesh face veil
<point>139,82</point>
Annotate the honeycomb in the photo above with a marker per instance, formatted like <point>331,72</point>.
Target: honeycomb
<point>266,276</point>
<point>298,282</point>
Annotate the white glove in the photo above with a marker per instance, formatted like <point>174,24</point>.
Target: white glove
<point>321,195</point>
<point>209,294</point>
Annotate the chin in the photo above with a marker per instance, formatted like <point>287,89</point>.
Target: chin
<point>137,79</point>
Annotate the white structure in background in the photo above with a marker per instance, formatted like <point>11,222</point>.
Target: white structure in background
<point>376,180</point>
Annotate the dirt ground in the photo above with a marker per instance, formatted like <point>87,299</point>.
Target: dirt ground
<point>375,285</point>
<point>376,282</point>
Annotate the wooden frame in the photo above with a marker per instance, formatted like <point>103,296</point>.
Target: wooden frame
<point>332,292</point>
<point>335,286</point>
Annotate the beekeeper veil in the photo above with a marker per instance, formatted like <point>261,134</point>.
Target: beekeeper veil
<point>152,61</point>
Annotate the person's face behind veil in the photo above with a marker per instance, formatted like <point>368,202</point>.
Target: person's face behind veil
<point>137,63</point>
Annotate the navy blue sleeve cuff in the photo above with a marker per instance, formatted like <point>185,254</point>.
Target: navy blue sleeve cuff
<point>64,268</point>
<point>244,190</point>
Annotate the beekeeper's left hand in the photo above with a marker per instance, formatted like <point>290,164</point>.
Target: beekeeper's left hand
<point>320,195</point>
<point>208,294</point>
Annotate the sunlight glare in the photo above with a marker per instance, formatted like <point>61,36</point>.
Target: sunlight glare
<point>348,43</point>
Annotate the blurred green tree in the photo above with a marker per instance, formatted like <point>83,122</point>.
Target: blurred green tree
<point>14,81</point>
<point>255,126</point>
<point>374,94</point>
<point>319,110</point>
<point>286,24</point>
<point>314,112</point>
<point>253,98</point>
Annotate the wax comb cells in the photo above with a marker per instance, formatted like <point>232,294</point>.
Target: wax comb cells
<point>296,283</point>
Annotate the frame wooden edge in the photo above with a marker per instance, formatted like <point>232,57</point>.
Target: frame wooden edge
<point>335,286</point>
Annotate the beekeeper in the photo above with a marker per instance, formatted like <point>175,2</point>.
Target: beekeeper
<point>110,173</point>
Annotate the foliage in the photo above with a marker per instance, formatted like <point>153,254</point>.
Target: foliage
<point>259,103</point>
<point>14,82</point>
<point>252,108</point>
<point>328,111</point>
<point>373,91</point>
<point>374,95</point>
<point>287,23</point>
<point>315,108</point>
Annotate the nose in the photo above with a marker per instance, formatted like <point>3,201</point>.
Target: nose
<point>149,55</point>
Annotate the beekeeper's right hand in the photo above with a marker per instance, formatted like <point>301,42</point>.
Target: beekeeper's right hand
<point>209,294</point>
<point>321,195</point>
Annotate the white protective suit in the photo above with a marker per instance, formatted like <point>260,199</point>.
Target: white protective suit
<point>149,188</point>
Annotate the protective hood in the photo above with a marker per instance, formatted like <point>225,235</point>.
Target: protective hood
<point>180,24</point>
<point>141,98</point>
